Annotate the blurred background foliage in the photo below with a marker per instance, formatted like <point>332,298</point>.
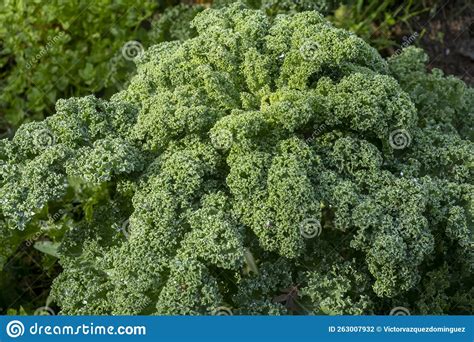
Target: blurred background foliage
<point>57,49</point>
<point>51,49</point>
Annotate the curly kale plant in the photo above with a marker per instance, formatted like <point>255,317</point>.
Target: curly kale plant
<point>261,167</point>
<point>174,23</point>
<point>274,7</point>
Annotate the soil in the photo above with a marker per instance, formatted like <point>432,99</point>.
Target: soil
<point>446,34</point>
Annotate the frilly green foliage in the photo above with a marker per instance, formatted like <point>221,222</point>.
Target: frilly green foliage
<point>174,23</point>
<point>275,7</point>
<point>201,181</point>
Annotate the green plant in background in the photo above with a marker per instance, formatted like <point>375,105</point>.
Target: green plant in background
<point>57,49</point>
<point>374,20</point>
<point>267,166</point>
